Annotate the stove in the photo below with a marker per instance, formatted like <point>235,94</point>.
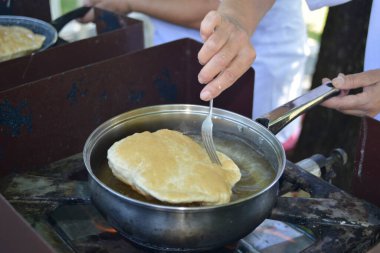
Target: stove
<point>55,201</point>
<point>47,111</point>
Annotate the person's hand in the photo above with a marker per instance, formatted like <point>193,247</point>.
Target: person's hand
<point>121,7</point>
<point>365,103</point>
<point>226,54</point>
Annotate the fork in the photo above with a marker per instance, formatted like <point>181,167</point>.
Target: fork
<point>207,137</point>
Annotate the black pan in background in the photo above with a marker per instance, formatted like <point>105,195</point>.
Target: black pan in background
<point>49,30</point>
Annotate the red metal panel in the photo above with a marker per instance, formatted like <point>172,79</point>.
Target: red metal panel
<point>365,183</point>
<point>50,119</point>
<point>16,235</point>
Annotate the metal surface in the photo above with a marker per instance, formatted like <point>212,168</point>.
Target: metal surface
<point>106,45</point>
<point>35,25</point>
<point>191,228</point>
<point>366,173</point>
<point>68,222</point>
<point>207,139</point>
<point>283,115</point>
<point>67,100</point>
<point>49,30</point>
<point>18,231</point>
<point>38,115</point>
<point>341,222</point>
<point>174,228</point>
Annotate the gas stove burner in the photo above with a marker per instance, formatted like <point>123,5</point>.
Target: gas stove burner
<point>85,230</point>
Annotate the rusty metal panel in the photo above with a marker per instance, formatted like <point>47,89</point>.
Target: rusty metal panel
<point>366,174</point>
<point>49,119</point>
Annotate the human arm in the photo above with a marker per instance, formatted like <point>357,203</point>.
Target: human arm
<point>365,103</point>
<point>227,52</point>
<point>187,13</point>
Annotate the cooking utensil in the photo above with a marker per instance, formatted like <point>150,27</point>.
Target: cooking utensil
<point>49,30</point>
<point>207,139</point>
<point>173,228</point>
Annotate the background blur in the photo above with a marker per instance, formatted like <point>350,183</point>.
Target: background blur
<point>315,21</point>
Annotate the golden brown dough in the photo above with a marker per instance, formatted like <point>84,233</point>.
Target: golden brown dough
<point>172,167</point>
<point>16,41</point>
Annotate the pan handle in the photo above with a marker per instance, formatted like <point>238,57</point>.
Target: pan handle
<point>283,115</point>
<point>60,22</point>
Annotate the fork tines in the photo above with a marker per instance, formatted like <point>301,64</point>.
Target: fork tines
<point>208,139</point>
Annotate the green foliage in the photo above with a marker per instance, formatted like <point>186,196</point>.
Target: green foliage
<point>313,34</point>
<point>68,5</point>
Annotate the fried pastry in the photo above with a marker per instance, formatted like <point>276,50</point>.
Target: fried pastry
<point>16,41</point>
<point>172,167</point>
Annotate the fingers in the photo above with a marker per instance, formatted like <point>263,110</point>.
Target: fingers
<point>343,92</point>
<point>358,80</point>
<point>209,23</point>
<point>325,80</point>
<point>213,35</point>
<point>226,54</point>
<point>358,113</point>
<point>227,68</point>
<point>226,78</point>
<point>365,103</point>
<point>218,52</point>
<point>350,104</point>
<point>116,6</point>
<point>90,16</point>
<point>342,102</point>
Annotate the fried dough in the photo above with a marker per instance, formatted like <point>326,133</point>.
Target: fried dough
<point>16,41</point>
<point>172,167</point>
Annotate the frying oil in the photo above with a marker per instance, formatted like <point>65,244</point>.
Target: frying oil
<point>256,172</point>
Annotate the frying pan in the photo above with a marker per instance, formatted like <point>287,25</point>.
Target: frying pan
<point>49,30</point>
<point>189,229</point>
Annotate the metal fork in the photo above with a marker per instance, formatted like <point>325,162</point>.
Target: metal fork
<point>207,137</point>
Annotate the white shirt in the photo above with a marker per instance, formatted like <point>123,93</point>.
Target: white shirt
<point>279,41</point>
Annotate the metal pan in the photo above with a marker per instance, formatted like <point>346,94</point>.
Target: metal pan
<point>35,25</point>
<point>188,229</point>
<point>49,30</point>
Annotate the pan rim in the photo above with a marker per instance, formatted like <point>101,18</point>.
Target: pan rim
<point>200,109</point>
